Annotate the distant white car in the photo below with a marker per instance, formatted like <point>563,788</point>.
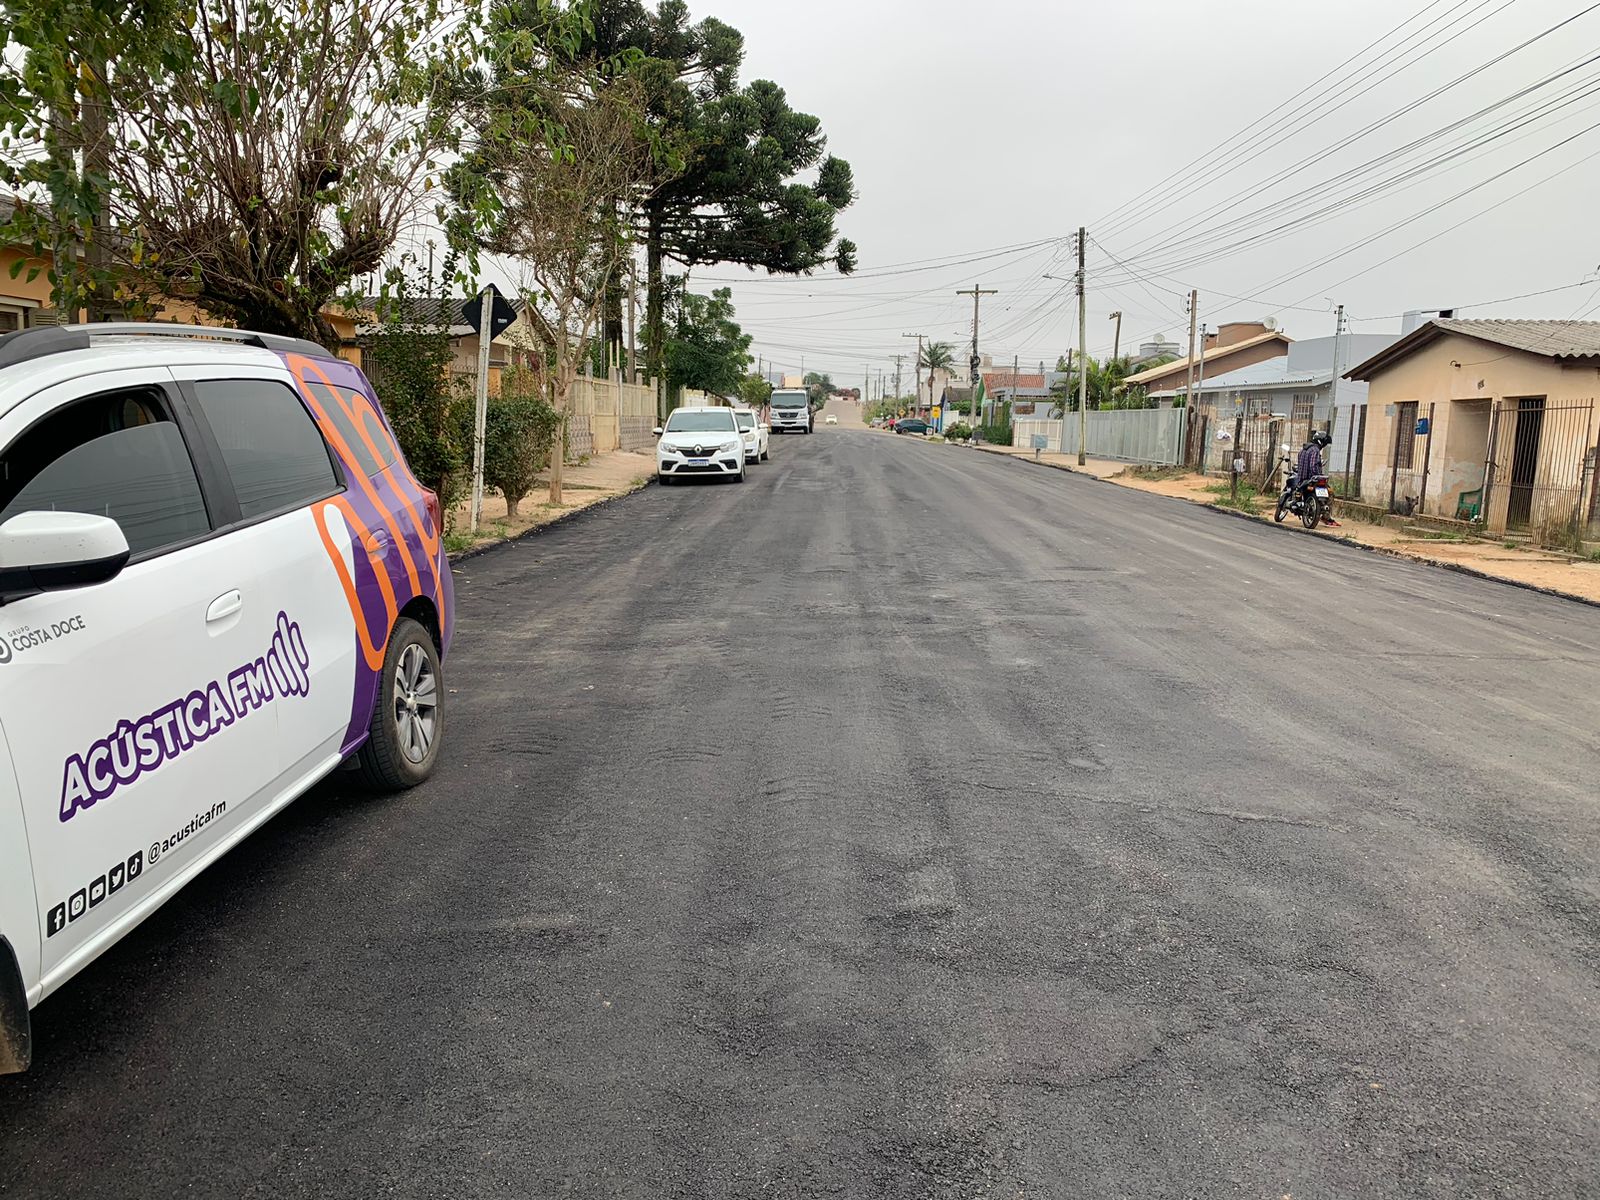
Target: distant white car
<point>757,435</point>
<point>700,441</point>
<point>830,419</point>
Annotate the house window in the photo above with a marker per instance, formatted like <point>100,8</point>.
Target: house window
<point>1302,407</point>
<point>1405,434</point>
<point>10,320</point>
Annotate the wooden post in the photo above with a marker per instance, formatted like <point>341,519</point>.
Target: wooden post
<point>1427,451</point>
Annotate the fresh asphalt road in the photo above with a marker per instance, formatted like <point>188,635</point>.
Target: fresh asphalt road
<point>906,822</point>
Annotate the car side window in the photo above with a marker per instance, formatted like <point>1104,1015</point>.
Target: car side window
<point>118,455</point>
<point>270,444</point>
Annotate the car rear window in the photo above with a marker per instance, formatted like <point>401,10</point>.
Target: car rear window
<point>270,445</point>
<point>357,424</point>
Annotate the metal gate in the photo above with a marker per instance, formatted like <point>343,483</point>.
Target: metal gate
<point>1541,471</point>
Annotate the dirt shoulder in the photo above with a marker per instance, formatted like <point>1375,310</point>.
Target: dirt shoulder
<point>1528,567</point>
<point>603,477</point>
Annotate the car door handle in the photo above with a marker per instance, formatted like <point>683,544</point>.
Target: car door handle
<point>224,606</point>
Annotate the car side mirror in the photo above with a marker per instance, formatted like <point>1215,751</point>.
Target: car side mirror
<point>46,551</point>
<point>658,431</point>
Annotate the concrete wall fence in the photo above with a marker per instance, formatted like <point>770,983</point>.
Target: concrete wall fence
<point>608,414</point>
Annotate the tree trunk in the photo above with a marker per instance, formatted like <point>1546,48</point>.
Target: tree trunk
<point>511,506</point>
<point>654,307</point>
<point>558,447</point>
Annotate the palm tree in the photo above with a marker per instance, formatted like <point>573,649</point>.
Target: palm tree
<point>935,356</point>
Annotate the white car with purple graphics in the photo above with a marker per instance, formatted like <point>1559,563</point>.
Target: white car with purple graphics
<point>219,581</point>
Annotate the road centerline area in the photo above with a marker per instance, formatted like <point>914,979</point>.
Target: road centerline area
<point>902,822</point>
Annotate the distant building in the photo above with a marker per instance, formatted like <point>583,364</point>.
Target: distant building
<point>1156,347</point>
<point>1234,345</point>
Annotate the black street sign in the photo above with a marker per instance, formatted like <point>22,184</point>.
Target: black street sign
<point>501,314</point>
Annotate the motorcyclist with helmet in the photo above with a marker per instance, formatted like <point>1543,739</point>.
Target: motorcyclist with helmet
<point>1311,466</point>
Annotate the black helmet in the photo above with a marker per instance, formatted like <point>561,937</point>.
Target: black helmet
<point>1322,437</point>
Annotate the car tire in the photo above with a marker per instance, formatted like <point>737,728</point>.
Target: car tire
<point>411,672</point>
<point>663,478</point>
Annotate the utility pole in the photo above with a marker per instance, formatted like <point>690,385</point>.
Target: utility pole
<point>897,359</point>
<point>1116,341</point>
<point>1200,371</point>
<point>1188,383</point>
<point>1083,357</point>
<point>977,293</point>
<point>1333,397</point>
<point>918,364</point>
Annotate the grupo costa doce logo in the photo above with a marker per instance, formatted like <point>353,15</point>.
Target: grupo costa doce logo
<point>140,745</point>
<point>25,637</point>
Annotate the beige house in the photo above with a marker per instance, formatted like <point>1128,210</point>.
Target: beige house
<point>1494,421</point>
<point>1233,346</point>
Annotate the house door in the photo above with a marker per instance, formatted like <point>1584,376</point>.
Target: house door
<point>1524,461</point>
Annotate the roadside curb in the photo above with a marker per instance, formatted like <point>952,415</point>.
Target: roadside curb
<point>463,555</point>
<point>1348,543</point>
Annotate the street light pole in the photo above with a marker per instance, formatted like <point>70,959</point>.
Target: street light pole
<point>1116,341</point>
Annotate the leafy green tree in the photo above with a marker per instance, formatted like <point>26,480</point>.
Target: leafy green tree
<point>819,387</point>
<point>1105,386</point>
<point>708,351</point>
<point>58,61</point>
<point>754,390</point>
<point>730,153</point>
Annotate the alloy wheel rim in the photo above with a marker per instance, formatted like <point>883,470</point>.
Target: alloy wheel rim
<point>416,703</point>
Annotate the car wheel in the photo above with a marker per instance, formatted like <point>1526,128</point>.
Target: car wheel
<point>663,478</point>
<point>407,725</point>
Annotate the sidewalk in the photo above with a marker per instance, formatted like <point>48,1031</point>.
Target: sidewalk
<point>603,477</point>
<point>1534,568</point>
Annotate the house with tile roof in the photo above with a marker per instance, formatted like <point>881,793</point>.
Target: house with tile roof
<point>1488,420</point>
<point>1232,347</point>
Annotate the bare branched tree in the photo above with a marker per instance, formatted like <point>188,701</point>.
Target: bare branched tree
<point>558,220</point>
<point>284,161</point>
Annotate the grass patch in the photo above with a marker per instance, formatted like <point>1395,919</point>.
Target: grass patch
<point>1441,535</point>
<point>1155,474</point>
<point>1508,544</point>
<point>456,541</point>
<point>1593,556</point>
<point>1246,501</point>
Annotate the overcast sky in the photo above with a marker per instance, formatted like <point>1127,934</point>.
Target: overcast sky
<point>997,129</point>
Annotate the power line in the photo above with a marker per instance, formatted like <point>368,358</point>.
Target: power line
<point>1126,214</point>
<point>1539,110</point>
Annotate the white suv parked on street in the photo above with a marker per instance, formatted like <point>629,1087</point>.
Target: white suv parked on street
<point>219,581</point>
<point>700,441</point>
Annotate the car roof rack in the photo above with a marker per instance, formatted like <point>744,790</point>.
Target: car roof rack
<point>26,345</point>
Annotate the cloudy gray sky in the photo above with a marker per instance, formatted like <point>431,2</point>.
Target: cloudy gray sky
<point>992,131</point>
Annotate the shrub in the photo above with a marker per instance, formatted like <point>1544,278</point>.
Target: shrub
<point>998,434</point>
<point>959,432</point>
<point>519,429</point>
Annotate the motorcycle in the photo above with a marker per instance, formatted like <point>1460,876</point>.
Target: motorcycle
<point>1311,501</point>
